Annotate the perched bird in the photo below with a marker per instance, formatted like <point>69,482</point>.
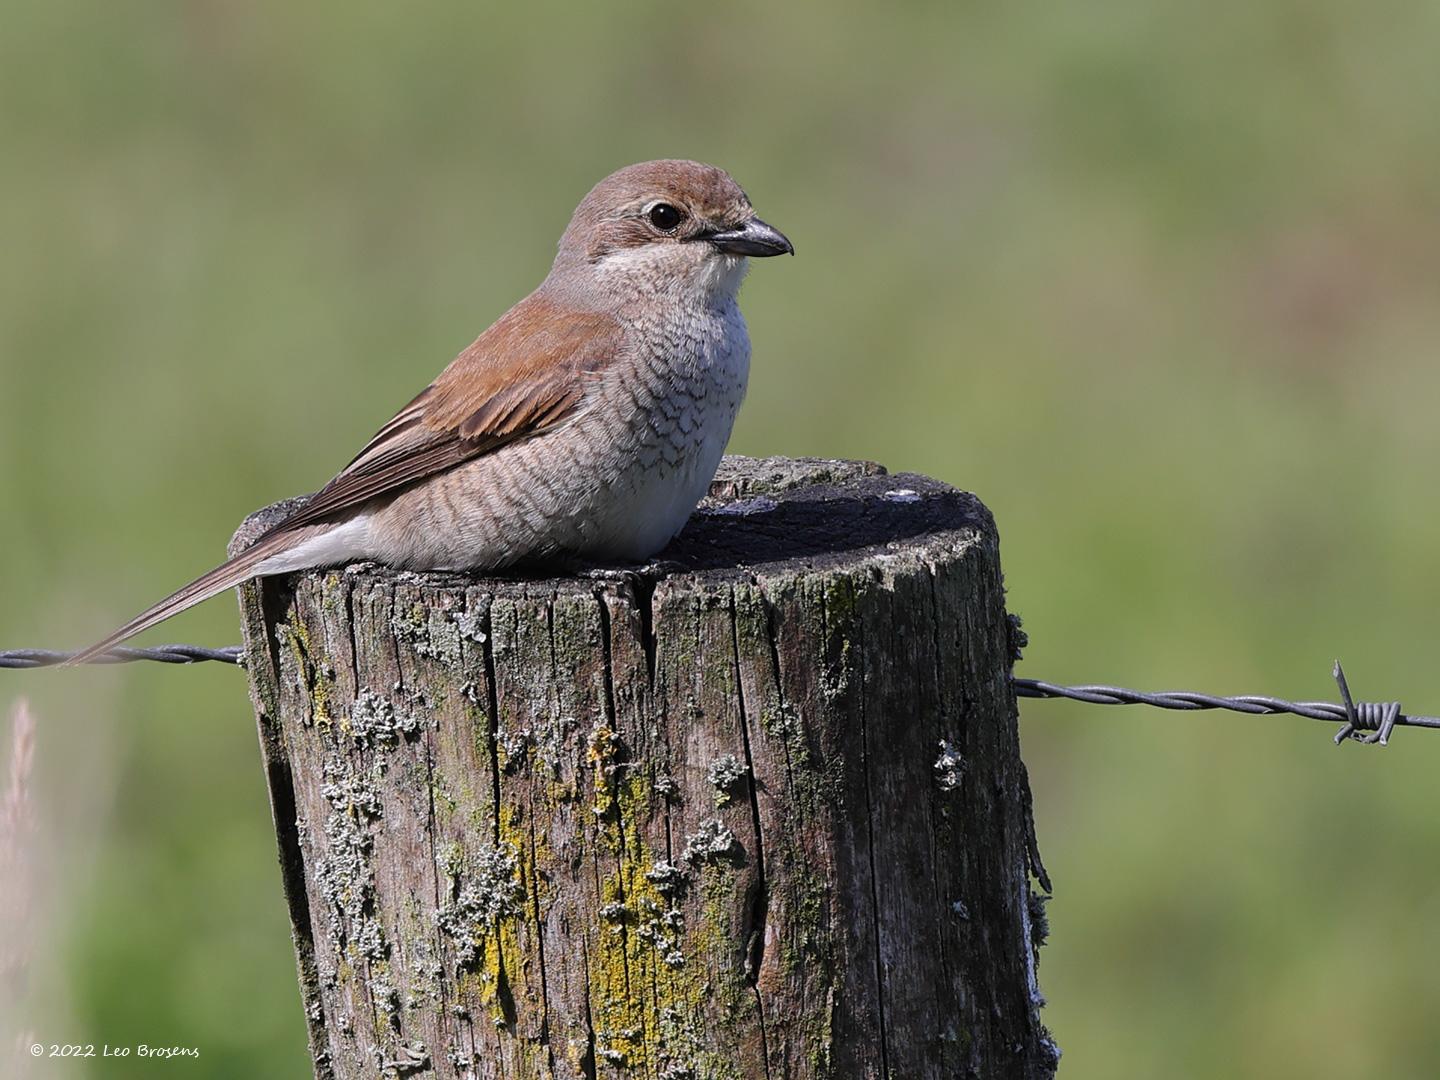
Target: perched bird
<point>586,423</point>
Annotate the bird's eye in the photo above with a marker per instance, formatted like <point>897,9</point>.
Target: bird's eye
<point>665,217</point>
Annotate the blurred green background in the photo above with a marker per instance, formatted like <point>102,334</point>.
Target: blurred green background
<point>1157,280</point>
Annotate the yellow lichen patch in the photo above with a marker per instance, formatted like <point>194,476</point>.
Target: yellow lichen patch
<point>314,673</point>
<point>652,970</point>
<point>601,750</point>
<point>320,703</point>
<point>332,592</point>
<point>475,987</point>
<point>501,966</point>
<point>513,833</point>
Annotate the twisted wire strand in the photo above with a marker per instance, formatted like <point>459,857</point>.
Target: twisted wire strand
<point>160,654</point>
<point>1363,721</point>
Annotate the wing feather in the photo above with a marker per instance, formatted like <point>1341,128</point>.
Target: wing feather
<point>524,376</point>
<point>521,378</point>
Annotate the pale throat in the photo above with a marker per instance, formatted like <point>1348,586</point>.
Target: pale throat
<point>721,276</point>
<point>712,277</point>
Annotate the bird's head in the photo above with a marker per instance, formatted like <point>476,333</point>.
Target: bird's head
<point>666,225</point>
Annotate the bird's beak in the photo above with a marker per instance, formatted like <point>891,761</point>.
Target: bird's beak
<point>753,238</point>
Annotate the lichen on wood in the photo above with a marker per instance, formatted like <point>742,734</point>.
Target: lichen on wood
<point>758,811</point>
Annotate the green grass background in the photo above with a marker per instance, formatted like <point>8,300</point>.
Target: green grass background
<point>1157,280</point>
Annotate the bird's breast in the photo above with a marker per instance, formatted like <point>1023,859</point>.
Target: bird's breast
<point>672,410</point>
<point>616,482</point>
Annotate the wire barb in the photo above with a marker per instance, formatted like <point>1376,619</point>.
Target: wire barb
<point>1378,718</point>
<point>160,654</point>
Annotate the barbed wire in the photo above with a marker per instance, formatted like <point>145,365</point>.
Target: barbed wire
<point>1376,720</point>
<point>160,654</point>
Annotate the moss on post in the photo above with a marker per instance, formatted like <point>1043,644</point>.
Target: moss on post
<point>760,815</point>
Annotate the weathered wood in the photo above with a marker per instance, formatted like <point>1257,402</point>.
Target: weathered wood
<point>759,814</point>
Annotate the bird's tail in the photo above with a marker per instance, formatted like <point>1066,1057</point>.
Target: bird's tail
<point>225,576</point>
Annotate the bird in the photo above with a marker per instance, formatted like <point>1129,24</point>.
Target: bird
<point>585,424</point>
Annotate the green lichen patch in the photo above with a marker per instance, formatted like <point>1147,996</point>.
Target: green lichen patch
<point>486,889</point>
<point>711,842</point>
<point>382,990</point>
<point>470,624</point>
<point>663,929</point>
<point>551,740</point>
<point>344,873</point>
<point>543,743</point>
<point>724,775</point>
<point>429,630</point>
<point>427,975</point>
<point>669,880</point>
<point>375,721</point>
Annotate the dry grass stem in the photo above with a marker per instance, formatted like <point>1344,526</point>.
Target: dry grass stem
<point>16,831</point>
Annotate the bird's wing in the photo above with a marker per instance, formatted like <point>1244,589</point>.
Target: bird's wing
<point>522,377</point>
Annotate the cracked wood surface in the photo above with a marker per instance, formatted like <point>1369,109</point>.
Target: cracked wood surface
<point>757,812</point>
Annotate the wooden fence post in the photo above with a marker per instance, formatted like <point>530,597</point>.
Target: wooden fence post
<point>762,814</point>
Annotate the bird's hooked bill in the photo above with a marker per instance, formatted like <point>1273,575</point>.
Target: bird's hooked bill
<point>753,238</point>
